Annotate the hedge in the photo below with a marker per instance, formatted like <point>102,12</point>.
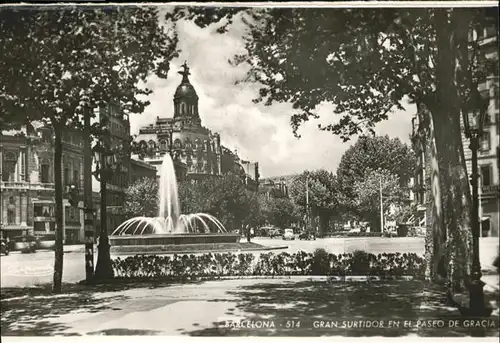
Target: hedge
<point>269,264</point>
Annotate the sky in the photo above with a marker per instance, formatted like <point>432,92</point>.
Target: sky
<point>257,132</point>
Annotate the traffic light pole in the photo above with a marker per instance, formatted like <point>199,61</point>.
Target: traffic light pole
<point>88,210</point>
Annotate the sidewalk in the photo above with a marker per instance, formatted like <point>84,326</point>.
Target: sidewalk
<point>274,307</point>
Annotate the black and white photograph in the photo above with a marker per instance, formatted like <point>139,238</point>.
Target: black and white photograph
<point>250,170</point>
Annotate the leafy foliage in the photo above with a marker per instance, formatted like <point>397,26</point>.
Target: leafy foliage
<point>141,198</point>
<point>367,193</point>
<point>368,154</point>
<point>324,198</point>
<point>277,211</point>
<point>226,197</point>
<point>365,61</point>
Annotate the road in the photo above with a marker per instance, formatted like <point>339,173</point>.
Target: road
<point>24,270</point>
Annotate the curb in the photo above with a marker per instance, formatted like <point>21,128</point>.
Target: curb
<point>117,253</point>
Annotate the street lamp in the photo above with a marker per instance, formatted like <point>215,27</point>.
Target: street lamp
<point>108,161</point>
<point>473,128</point>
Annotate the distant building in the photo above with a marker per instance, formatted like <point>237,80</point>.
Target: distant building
<point>196,151</point>
<point>140,169</point>
<point>276,187</point>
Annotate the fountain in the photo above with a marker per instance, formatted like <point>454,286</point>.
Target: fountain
<point>170,227</point>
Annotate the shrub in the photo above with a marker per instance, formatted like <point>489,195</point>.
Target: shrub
<point>320,262</point>
<point>360,263</point>
<point>181,267</point>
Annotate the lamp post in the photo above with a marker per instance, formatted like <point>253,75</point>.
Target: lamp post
<point>107,162</point>
<point>473,128</point>
<point>381,208</point>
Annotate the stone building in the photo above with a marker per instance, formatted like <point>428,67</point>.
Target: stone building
<point>489,146</point>
<point>196,151</point>
<point>27,186</point>
<point>276,187</point>
<point>27,182</point>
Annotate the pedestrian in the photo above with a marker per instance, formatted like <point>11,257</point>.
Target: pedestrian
<point>248,232</point>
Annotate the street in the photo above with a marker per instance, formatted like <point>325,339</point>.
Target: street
<point>25,270</point>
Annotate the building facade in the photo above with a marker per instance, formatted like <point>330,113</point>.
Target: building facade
<point>27,186</point>
<point>27,189</point>
<point>274,187</point>
<point>489,146</point>
<point>196,151</point>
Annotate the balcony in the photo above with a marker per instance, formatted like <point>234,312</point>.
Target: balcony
<point>26,185</point>
<point>490,190</point>
<point>44,219</point>
<point>13,185</point>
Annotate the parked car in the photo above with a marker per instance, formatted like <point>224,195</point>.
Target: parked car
<point>4,247</point>
<point>46,242</point>
<point>307,236</point>
<point>274,233</point>
<point>25,244</point>
<point>288,234</point>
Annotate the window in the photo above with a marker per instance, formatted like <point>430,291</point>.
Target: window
<point>45,168</point>
<point>489,31</point>
<point>38,210</point>
<point>486,175</point>
<point>9,167</point>
<point>11,216</point>
<point>12,201</point>
<point>39,226</point>
<point>66,176</point>
<point>76,177</point>
<point>22,165</point>
<point>485,142</point>
<point>495,99</point>
<point>163,145</point>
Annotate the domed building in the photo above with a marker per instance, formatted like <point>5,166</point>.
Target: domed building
<point>196,151</point>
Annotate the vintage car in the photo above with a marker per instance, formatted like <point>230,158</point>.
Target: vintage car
<point>4,247</point>
<point>288,235</point>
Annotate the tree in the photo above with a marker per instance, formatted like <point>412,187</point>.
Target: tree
<point>323,195</point>
<point>225,197</point>
<point>367,195</point>
<point>366,62</point>
<point>60,65</point>
<point>281,212</point>
<point>141,198</point>
<point>369,154</point>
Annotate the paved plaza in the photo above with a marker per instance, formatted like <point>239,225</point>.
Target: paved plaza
<point>262,307</point>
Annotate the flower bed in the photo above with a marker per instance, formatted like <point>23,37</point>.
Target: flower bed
<point>269,264</point>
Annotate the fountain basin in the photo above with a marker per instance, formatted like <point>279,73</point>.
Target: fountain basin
<point>173,239</point>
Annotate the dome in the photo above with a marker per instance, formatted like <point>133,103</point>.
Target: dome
<point>185,90</point>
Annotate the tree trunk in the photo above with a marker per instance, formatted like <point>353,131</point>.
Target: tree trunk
<point>455,192</point>
<point>59,251</point>
<point>323,224</point>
